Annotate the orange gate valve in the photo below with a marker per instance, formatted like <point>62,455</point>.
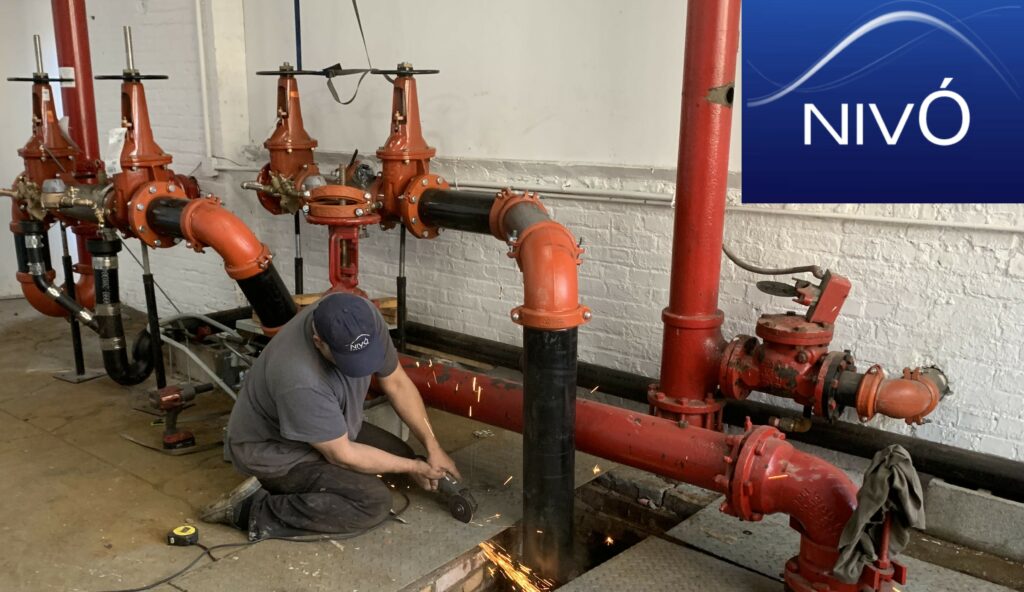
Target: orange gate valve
<point>50,160</point>
<point>144,174</point>
<point>793,360</point>
<point>405,156</point>
<point>284,183</point>
<point>292,180</point>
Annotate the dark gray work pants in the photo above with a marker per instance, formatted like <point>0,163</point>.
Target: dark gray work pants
<point>320,498</point>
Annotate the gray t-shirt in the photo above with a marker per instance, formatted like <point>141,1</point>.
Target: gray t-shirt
<point>292,397</point>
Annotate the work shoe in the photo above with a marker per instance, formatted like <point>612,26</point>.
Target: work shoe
<point>232,507</point>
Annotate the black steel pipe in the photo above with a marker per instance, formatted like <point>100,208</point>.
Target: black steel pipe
<point>400,285</point>
<point>153,320</point>
<point>549,419</point>
<point>269,297</point>
<point>164,216</point>
<point>37,262</point>
<point>69,285</point>
<point>467,211</point>
<point>265,291</point>
<point>111,327</point>
<point>975,470</point>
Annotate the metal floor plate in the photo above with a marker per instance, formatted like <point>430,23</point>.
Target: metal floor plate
<point>393,555</point>
<point>656,565</point>
<point>766,546</point>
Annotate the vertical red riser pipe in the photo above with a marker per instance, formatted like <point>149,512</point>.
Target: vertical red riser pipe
<point>71,31</point>
<point>693,339</point>
<point>72,34</point>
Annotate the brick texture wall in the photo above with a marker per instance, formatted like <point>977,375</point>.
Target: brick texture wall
<point>932,293</point>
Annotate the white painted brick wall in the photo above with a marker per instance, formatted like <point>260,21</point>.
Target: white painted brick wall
<point>921,294</point>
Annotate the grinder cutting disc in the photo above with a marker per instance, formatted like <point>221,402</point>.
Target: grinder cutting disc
<point>462,505</point>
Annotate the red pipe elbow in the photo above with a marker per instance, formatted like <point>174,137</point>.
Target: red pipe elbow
<point>548,256</point>
<point>205,223</point>
<point>909,398</point>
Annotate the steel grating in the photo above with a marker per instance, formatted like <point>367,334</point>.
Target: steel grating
<point>766,546</point>
<point>394,555</point>
<point>656,565</point>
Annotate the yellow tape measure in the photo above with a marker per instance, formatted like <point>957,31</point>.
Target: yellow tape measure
<point>183,536</point>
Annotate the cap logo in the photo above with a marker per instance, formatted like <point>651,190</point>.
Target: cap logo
<point>360,342</point>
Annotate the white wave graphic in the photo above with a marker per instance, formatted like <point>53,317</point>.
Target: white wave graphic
<point>900,16</point>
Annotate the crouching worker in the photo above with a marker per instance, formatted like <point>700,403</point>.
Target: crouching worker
<point>297,428</point>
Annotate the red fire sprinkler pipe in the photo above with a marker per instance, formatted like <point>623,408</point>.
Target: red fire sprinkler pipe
<point>759,472</point>
<point>71,32</point>
<point>693,338</point>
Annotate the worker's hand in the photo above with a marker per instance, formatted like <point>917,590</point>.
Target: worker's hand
<point>426,476</point>
<point>440,460</point>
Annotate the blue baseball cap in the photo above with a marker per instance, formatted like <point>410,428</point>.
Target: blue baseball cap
<point>354,330</point>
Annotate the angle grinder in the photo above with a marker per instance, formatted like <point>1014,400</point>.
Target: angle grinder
<point>460,501</point>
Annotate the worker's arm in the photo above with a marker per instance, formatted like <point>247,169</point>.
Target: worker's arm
<point>408,403</point>
<point>371,460</point>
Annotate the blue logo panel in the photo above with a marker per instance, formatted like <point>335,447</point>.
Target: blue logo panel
<point>859,101</point>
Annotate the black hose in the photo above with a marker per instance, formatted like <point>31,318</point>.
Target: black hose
<point>111,327</point>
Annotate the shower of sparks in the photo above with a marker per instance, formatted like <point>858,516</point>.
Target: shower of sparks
<point>456,387</point>
<point>417,364</point>
<point>520,575</point>
<point>474,383</point>
<point>428,384</point>
<point>594,390</point>
<point>609,541</point>
<point>434,374</point>
<point>471,411</point>
<point>507,481</point>
<point>429,429</point>
<point>478,394</point>
<point>774,477</point>
<point>430,363</point>
<point>596,469</point>
<point>539,531</point>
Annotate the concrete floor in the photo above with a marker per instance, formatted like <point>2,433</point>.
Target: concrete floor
<point>84,509</point>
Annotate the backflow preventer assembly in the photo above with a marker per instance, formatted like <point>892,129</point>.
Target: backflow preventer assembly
<point>757,471</point>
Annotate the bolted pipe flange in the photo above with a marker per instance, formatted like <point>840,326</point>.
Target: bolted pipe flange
<point>827,383</point>
<point>340,205</point>
<point>706,413</point>
<point>409,208</point>
<point>751,456</point>
<point>137,214</point>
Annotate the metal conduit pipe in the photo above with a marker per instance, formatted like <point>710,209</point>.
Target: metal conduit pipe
<point>34,256</point>
<point>110,325</point>
<point>204,223</point>
<point>759,472</point>
<point>548,256</point>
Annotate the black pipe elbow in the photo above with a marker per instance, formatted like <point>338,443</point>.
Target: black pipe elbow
<point>33,246</point>
<point>111,327</point>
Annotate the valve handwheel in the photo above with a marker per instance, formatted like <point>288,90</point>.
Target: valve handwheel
<point>403,69</point>
<point>132,76</point>
<point>44,79</point>
<point>286,69</point>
